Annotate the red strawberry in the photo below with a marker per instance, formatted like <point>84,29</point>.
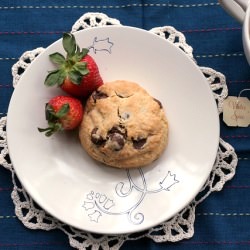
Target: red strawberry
<point>78,73</point>
<point>62,113</point>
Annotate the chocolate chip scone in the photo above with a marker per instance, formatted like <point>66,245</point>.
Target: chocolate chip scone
<point>123,126</point>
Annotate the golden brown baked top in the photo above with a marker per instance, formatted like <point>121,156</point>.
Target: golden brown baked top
<point>123,125</point>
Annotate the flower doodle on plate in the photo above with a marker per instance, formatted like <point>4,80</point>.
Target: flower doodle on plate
<point>97,200</point>
<point>96,204</point>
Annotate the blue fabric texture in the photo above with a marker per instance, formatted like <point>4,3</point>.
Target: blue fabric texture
<point>223,219</point>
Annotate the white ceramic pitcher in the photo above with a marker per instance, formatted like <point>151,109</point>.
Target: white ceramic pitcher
<point>240,10</point>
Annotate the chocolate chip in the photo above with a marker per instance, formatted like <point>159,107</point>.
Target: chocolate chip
<point>97,139</point>
<point>158,103</point>
<point>118,129</point>
<point>139,143</point>
<point>117,136</point>
<point>116,141</point>
<point>98,95</point>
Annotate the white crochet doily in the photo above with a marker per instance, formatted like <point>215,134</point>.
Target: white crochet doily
<point>181,226</point>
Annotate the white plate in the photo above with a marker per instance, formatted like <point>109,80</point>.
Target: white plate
<point>77,190</point>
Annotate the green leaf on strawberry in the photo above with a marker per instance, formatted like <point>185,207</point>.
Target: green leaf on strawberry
<point>62,111</point>
<point>55,77</point>
<point>57,58</point>
<point>75,77</point>
<point>81,67</point>
<point>69,44</point>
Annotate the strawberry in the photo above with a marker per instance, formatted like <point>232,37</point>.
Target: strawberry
<point>62,113</point>
<point>78,73</point>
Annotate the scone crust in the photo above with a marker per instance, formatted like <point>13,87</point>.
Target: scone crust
<point>123,126</point>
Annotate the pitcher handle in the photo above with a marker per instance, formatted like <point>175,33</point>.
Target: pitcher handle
<point>246,35</point>
<point>236,8</point>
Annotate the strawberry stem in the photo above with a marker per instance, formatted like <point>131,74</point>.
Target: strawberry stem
<point>53,118</point>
